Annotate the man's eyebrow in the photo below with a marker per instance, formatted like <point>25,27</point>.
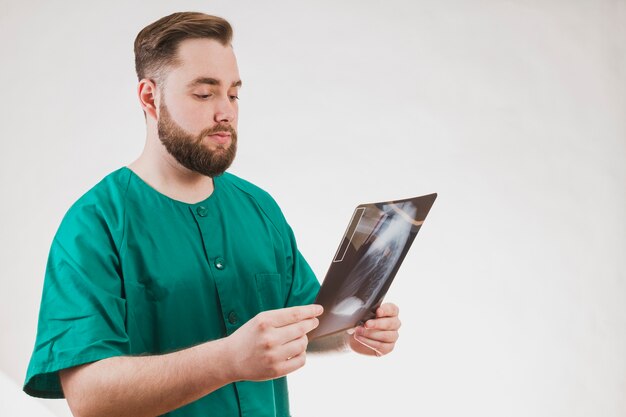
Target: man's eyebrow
<point>211,81</point>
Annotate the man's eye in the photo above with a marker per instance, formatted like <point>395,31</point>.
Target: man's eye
<point>233,98</point>
<point>203,96</point>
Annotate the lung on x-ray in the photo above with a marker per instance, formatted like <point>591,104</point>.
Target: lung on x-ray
<point>373,247</point>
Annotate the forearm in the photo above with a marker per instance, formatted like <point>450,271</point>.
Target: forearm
<point>146,385</point>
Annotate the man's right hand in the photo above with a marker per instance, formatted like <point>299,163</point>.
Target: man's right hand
<point>270,345</point>
<point>273,343</point>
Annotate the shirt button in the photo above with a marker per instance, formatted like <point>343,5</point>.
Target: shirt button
<point>232,317</point>
<point>202,211</point>
<point>219,263</point>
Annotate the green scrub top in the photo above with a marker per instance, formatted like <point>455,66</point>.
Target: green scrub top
<point>133,272</point>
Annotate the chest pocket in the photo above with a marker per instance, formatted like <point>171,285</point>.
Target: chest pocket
<point>269,290</point>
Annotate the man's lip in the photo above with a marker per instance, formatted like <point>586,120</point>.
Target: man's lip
<point>222,134</point>
<point>221,138</point>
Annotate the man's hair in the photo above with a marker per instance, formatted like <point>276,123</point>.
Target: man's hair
<point>156,45</point>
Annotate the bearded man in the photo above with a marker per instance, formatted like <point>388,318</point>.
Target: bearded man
<point>173,287</point>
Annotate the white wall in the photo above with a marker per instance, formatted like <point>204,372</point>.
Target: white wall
<point>513,296</point>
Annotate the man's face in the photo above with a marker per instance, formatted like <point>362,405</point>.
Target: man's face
<point>198,108</point>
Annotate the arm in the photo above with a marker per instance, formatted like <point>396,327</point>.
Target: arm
<point>145,385</point>
<point>269,346</point>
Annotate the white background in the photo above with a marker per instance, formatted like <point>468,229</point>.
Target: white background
<point>513,296</point>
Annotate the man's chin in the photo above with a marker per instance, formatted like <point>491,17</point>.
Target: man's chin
<point>220,148</point>
<point>219,167</point>
<point>217,149</point>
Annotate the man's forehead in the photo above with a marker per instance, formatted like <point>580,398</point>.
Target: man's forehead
<point>206,62</point>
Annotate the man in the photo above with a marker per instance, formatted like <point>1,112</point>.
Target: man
<point>171,286</point>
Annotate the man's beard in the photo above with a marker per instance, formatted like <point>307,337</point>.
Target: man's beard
<point>189,150</point>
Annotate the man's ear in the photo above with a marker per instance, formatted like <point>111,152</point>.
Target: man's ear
<point>147,92</point>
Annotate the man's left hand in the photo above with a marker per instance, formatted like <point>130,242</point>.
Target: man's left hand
<point>377,336</point>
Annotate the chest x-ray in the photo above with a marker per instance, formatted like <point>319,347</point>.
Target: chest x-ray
<point>376,242</point>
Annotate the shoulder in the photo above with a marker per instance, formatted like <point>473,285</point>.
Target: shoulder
<point>247,187</point>
<point>100,209</point>
<point>106,196</point>
<point>259,196</point>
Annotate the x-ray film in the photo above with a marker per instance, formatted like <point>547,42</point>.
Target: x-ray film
<point>373,247</point>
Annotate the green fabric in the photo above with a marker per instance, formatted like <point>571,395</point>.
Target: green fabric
<point>133,272</point>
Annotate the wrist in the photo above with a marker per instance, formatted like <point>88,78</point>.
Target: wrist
<point>220,355</point>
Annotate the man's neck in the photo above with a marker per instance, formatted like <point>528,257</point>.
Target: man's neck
<point>163,173</point>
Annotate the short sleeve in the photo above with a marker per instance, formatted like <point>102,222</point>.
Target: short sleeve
<point>83,310</point>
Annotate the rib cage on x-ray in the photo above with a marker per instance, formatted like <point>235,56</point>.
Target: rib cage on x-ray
<point>384,246</point>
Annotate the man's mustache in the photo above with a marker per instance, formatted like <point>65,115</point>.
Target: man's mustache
<point>218,129</point>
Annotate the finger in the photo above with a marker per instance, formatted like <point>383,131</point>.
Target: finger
<point>387,336</point>
<point>286,316</point>
<point>291,349</point>
<point>385,323</point>
<point>296,330</point>
<point>387,310</point>
<point>382,347</point>
<point>292,364</point>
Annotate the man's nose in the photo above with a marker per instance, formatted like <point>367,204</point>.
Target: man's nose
<point>225,111</point>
